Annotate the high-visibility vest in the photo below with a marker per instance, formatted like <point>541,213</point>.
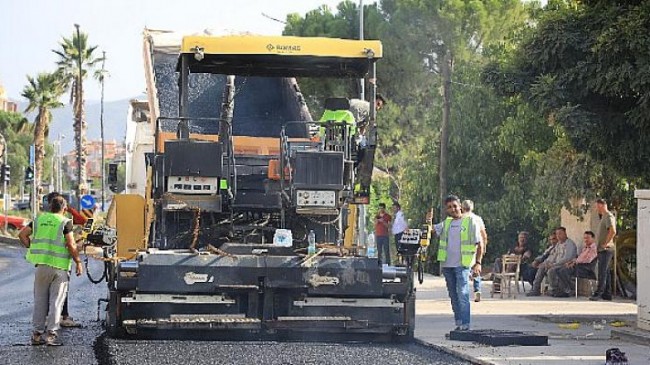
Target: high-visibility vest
<point>467,247</point>
<point>340,116</point>
<point>48,243</point>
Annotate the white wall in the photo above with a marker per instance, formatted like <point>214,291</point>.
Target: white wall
<point>643,258</point>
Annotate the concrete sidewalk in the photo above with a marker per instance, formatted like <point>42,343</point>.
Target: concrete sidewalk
<point>543,315</point>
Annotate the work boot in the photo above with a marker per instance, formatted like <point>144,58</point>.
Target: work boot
<point>53,339</point>
<point>69,322</point>
<point>37,338</point>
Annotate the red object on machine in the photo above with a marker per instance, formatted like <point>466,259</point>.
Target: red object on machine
<point>76,217</point>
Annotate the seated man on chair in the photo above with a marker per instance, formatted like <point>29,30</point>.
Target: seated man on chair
<point>580,267</point>
<point>565,251</point>
<point>551,261</point>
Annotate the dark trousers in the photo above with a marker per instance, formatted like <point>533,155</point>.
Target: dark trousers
<point>528,272</point>
<point>398,237</point>
<point>564,275</point>
<point>383,249</point>
<point>604,282</point>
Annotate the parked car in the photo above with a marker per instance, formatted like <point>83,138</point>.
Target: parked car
<point>22,205</point>
<point>14,224</point>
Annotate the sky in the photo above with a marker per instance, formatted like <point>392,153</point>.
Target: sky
<point>30,29</point>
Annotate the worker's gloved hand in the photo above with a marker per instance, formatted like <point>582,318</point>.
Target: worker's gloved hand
<point>79,268</point>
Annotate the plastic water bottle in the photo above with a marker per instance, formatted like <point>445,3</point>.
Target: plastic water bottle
<point>311,249</point>
<point>371,246</point>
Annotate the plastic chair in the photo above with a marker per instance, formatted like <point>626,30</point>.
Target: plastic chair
<point>510,266</point>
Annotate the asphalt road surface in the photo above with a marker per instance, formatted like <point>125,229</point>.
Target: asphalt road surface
<point>87,345</point>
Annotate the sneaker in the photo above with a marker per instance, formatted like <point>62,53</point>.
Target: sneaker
<point>53,339</point>
<point>608,298</point>
<point>614,356</point>
<point>594,298</point>
<point>533,294</point>
<point>477,297</point>
<point>561,295</point>
<point>69,322</point>
<point>37,338</point>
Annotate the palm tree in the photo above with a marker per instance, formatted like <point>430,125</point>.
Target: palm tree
<point>76,59</point>
<point>43,94</point>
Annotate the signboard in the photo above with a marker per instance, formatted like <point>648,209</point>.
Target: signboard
<point>87,202</point>
<point>411,237</point>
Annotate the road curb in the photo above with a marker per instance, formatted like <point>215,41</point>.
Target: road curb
<point>453,352</point>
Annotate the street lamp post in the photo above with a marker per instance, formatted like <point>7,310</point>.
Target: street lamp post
<point>59,167</point>
<point>361,237</point>
<point>101,123</point>
<point>362,84</point>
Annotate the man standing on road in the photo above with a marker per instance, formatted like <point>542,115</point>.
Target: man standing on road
<point>66,319</point>
<point>52,249</point>
<point>382,222</point>
<point>605,240</point>
<point>468,211</point>
<point>399,224</point>
<point>459,250</point>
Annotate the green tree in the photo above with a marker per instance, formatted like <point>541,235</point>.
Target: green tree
<point>43,94</point>
<point>444,33</point>
<point>19,135</point>
<point>583,67</point>
<point>76,60</point>
<point>323,22</point>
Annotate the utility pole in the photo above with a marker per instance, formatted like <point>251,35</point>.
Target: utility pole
<point>101,123</point>
<point>446,68</point>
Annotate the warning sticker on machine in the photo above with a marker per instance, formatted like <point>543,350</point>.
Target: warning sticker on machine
<point>191,278</point>
<point>317,280</point>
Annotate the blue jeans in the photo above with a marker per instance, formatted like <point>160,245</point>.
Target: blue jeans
<point>604,281</point>
<point>383,250</point>
<point>457,279</point>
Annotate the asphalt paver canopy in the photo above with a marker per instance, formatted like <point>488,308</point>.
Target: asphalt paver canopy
<point>280,56</point>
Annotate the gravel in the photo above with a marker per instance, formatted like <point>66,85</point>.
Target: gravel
<point>124,352</point>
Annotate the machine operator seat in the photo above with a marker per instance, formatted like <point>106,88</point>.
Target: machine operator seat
<point>342,125</point>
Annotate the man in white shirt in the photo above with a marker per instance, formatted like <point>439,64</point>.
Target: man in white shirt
<point>399,224</point>
<point>468,211</point>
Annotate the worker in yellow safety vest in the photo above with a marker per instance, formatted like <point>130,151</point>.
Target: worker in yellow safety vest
<point>460,251</point>
<point>52,249</point>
